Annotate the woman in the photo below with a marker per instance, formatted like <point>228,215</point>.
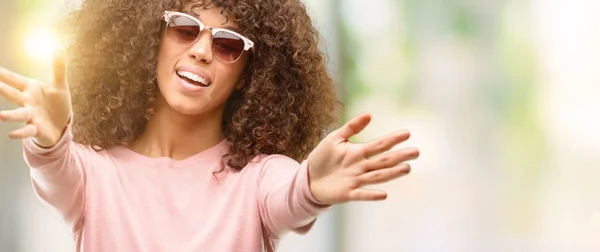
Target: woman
<point>193,126</point>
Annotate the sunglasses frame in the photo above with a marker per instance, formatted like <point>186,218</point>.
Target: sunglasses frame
<point>168,15</point>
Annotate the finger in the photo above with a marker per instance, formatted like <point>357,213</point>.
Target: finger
<point>22,114</point>
<point>11,94</point>
<point>28,131</point>
<point>354,126</point>
<point>12,79</point>
<point>361,194</point>
<point>384,175</point>
<point>385,143</point>
<point>60,68</point>
<point>391,159</point>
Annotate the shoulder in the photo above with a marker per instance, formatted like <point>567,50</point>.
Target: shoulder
<point>275,160</point>
<point>276,165</point>
<point>98,156</point>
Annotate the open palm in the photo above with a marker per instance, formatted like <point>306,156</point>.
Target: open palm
<point>339,169</point>
<point>44,108</point>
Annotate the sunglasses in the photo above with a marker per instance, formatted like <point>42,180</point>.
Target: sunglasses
<point>228,46</point>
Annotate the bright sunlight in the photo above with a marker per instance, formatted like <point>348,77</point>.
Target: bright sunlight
<point>40,44</point>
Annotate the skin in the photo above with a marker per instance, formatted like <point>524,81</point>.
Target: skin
<point>338,168</point>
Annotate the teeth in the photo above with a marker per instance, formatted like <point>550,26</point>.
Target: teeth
<point>193,76</point>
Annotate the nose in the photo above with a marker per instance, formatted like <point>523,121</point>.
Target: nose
<point>201,50</point>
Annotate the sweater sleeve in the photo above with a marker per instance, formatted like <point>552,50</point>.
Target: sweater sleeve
<point>59,178</point>
<point>285,200</point>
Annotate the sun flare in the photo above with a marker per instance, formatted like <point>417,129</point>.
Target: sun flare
<point>40,44</point>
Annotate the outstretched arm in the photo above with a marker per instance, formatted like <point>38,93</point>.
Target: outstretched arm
<point>292,195</point>
<point>56,162</point>
<point>285,200</point>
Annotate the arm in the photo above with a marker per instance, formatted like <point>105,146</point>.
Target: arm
<point>285,200</point>
<point>335,172</point>
<point>58,177</point>
<point>57,171</point>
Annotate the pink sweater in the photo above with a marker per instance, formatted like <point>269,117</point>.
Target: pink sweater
<point>119,200</point>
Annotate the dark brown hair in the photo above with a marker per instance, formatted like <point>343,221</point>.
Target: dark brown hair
<point>287,105</point>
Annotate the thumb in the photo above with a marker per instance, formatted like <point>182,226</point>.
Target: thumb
<point>60,68</point>
<point>354,126</point>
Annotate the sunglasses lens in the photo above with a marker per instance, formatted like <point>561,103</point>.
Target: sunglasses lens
<point>227,46</point>
<point>183,30</point>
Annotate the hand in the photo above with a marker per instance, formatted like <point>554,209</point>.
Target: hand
<point>44,108</point>
<point>338,169</point>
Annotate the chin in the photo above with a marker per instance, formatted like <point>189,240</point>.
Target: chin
<point>179,103</point>
<point>185,110</point>
<point>170,99</point>
<point>184,106</point>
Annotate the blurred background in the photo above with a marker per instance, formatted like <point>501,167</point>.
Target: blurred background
<point>502,97</point>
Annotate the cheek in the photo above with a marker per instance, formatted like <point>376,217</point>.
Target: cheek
<point>228,77</point>
<point>163,59</point>
<point>232,74</point>
<point>167,58</point>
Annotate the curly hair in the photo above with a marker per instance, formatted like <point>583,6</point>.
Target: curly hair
<point>287,105</point>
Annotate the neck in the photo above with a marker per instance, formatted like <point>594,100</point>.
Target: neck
<point>178,136</point>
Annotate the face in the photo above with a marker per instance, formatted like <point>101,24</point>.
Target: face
<point>192,81</point>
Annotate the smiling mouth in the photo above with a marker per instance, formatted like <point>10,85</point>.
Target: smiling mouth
<point>193,78</point>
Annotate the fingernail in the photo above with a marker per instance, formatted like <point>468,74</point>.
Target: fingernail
<point>416,152</point>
